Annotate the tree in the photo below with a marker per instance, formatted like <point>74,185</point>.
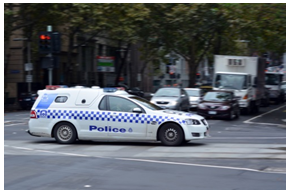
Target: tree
<point>189,30</point>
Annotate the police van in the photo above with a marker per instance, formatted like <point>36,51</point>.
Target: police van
<point>70,114</point>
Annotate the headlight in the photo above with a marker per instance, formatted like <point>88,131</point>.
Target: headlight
<point>201,106</point>
<point>192,122</point>
<point>225,107</point>
<point>173,103</point>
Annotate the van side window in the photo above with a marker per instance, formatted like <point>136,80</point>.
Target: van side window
<point>121,104</point>
<point>61,99</point>
<point>102,105</point>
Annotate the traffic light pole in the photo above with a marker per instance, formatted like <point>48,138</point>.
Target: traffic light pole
<point>50,70</point>
<point>49,29</point>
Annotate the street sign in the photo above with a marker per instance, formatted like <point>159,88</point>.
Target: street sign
<point>29,78</point>
<point>106,63</point>
<point>28,66</point>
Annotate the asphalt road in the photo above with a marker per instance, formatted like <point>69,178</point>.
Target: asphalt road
<point>248,153</point>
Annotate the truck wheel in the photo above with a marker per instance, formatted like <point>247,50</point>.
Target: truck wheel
<point>247,110</point>
<point>65,133</point>
<point>238,113</point>
<point>171,135</point>
<point>267,102</point>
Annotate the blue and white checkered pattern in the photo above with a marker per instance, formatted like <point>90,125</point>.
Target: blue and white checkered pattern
<point>105,116</point>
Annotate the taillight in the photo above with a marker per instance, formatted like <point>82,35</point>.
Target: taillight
<point>33,114</point>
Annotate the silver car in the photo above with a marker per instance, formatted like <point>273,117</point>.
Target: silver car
<point>195,95</point>
<point>171,98</point>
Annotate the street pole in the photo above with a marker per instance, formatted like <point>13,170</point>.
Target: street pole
<point>49,29</point>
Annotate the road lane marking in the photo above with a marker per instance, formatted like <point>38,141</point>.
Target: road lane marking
<point>14,124</point>
<point>247,138</point>
<point>249,120</point>
<point>197,165</point>
<point>153,161</point>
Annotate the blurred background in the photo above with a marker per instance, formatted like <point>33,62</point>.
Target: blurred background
<point>137,46</point>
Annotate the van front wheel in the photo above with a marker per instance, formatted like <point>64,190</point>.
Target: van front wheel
<point>171,135</point>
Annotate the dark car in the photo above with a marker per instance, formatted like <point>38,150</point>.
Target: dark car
<point>283,91</point>
<point>172,98</point>
<point>136,91</point>
<point>219,104</point>
<point>26,100</point>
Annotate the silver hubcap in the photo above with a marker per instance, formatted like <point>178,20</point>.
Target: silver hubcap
<point>64,133</point>
<point>171,134</point>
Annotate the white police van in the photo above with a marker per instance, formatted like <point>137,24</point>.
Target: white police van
<point>70,114</point>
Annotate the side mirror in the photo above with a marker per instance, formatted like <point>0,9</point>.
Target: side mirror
<point>137,110</point>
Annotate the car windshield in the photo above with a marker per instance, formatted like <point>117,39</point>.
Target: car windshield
<point>193,93</point>
<point>167,92</point>
<point>146,103</point>
<point>217,96</point>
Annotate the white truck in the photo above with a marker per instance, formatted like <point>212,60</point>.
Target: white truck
<point>245,76</point>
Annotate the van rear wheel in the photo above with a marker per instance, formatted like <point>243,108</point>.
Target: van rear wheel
<point>65,133</point>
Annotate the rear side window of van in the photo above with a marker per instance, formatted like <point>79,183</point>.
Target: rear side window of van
<point>60,99</point>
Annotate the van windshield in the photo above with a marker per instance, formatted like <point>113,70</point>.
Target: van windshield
<point>146,103</point>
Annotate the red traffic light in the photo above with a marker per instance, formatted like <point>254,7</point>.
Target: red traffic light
<point>44,37</point>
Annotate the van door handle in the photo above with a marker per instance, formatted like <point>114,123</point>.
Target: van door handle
<point>114,115</point>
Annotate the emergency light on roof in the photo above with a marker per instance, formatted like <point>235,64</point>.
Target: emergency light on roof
<point>110,89</point>
<point>53,87</point>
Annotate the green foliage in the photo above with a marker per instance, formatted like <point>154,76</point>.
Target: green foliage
<point>192,30</point>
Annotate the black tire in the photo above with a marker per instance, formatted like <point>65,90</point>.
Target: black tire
<point>65,133</point>
<point>231,116</point>
<point>277,101</point>
<point>171,134</point>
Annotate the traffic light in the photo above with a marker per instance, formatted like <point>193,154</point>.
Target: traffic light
<point>45,42</point>
<point>56,42</point>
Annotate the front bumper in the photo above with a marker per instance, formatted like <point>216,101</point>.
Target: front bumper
<point>193,132</point>
<point>218,114</point>
<point>244,103</point>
